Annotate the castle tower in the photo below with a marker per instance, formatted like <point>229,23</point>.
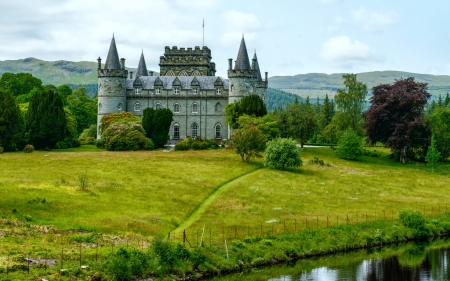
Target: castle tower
<point>244,79</point>
<point>111,85</point>
<point>142,67</point>
<point>261,85</point>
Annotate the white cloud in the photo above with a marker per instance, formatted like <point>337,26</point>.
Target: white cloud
<point>240,21</point>
<point>341,51</point>
<point>373,21</point>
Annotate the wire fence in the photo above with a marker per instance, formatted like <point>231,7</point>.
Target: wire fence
<point>216,236</point>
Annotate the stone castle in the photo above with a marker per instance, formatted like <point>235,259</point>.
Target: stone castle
<point>187,85</point>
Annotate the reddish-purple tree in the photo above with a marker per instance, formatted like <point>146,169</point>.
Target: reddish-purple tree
<point>396,118</point>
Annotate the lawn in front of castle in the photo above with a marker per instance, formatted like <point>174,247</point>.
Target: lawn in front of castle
<point>152,192</point>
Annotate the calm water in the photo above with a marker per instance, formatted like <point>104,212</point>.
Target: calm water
<point>425,261</point>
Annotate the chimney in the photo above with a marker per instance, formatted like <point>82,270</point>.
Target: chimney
<point>267,73</point>
<point>151,73</point>
<point>253,64</point>
<point>99,61</point>
<point>122,63</point>
<point>230,64</point>
<point>131,74</point>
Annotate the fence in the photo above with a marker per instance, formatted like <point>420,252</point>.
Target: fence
<point>218,235</point>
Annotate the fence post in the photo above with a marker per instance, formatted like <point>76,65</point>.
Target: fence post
<point>317,222</point>
<point>168,238</point>
<point>327,221</point>
<point>28,264</point>
<point>80,252</point>
<point>46,258</point>
<point>184,237</point>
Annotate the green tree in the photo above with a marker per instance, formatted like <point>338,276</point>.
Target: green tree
<point>11,123</point>
<point>45,120</point>
<point>326,113</point>
<point>121,136</point>
<point>248,142</point>
<point>281,153</point>
<point>251,105</point>
<point>440,127</point>
<point>267,124</point>
<point>447,100</point>
<point>349,145</point>
<point>433,155</point>
<point>302,121</point>
<point>112,118</point>
<point>156,124</point>
<point>64,91</point>
<point>19,84</point>
<point>440,102</point>
<point>350,104</point>
<point>71,125</point>
<point>83,108</point>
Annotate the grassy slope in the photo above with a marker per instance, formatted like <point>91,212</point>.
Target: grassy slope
<point>153,192</point>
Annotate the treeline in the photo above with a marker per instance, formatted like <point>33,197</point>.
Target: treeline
<point>91,89</point>
<point>43,117</point>
<point>279,99</point>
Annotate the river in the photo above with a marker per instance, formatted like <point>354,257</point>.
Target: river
<point>412,261</point>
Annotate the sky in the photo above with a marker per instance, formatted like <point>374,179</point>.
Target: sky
<point>289,37</point>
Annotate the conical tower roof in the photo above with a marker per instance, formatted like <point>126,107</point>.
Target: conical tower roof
<point>112,61</point>
<point>142,68</point>
<point>258,72</point>
<point>242,61</point>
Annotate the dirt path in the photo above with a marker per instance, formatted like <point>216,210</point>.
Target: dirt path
<point>209,200</point>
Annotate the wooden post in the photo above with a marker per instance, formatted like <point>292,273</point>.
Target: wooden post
<point>327,221</point>
<point>168,238</point>
<point>317,222</point>
<point>184,237</point>
<point>127,240</point>
<point>80,253</point>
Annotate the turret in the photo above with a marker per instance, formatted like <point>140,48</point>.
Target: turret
<point>111,85</point>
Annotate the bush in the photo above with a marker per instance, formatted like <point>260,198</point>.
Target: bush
<point>349,146</point>
<point>282,153</point>
<point>126,136</point>
<point>100,144</point>
<point>196,144</point>
<point>89,140</point>
<point>61,145</point>
<point>28,148</point>
<point>412,218</point>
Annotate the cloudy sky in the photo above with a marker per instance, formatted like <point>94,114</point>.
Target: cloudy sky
<point>290,37</point>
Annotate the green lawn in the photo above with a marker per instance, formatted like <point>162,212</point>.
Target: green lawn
<point>152,192</point>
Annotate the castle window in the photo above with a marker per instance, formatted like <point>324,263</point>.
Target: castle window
<point>194,130</point>
<point>170,73</point>
<point>176,91</point>
<point>137,91</point>
<point>137,106</point>
<point>176,132</point>
<point>176,108</point>
<point>194,108</point>
<point>218,91</point>
<point>218,107</point>
<point>158,105</point>
<point>158,91</point>
<point>194,91</point>
<point>119,107</point>
<point>218,131</point>
<point>182,73</point>
<point>99,108</point>
<point>196,73</point>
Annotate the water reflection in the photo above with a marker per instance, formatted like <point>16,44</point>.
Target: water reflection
<point>407,262</point>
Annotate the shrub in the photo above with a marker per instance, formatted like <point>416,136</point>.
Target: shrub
<point>412,218</point>
<point>61,145</point>
<point>1,150</point>
<point>99,143</point>
<point>126,136</point>
<point>349,146</point>
<point>282,153</point>
<point>196,144</point>
<point>89,140</point>
<point>317,160</point>
<point>28,148</point>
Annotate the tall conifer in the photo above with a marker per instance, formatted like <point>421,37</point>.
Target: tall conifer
<point>11,123</point>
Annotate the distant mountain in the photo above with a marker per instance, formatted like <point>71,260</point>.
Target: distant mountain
<point>319,84</point>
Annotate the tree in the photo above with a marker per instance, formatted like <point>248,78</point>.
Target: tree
<point>281,153</point>
<point>440,127</point>
<point>248,142</point>
<point>326,113</point>
<point>267,124</point>
<point>11,123</point>
<point>45,120</point>
<point>447,100</point>
<point>83,108</point>
<point>302,121</point>
<point>123,136</point>
<point>433,155</point>
<point>71,125</point>
<point>156,124</point>
<point>251,105</point>
<point>19,84</point>
<point>396,118</point>
<point>350,104</point>
<point>64,91</point>
<point>349,145</point>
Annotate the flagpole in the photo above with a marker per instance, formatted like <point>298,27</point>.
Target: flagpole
<point>203,32</point>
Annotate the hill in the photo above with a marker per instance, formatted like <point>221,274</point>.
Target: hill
<point>319,84</point>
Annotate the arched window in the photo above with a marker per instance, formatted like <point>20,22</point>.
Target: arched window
<point>218,131</point>
<point>196,73</point>
<point>194,130</point>
<point>170,73</point>
<point>99,108</point>
<point>183,73</point>
<point>176,108</point>
<point>218,107</point>
<point>158,105</point>
<point>176,132</point>
<point>194,108</point>
<point>119,106</point>
<point>137,106</point>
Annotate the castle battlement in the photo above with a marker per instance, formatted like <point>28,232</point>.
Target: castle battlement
<point>174,51</point>
<point>232,73</point>
<point>112,73</point>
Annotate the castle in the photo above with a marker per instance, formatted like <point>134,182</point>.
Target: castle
<point>187,85</point>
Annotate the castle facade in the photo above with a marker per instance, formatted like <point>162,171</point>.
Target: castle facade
<point>187,85</point>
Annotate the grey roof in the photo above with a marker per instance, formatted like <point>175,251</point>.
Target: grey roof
<point>242,61</point>
<point>142,68</point>
<point>206,82</point>
<point>112,61</point>
<point>258,72</point>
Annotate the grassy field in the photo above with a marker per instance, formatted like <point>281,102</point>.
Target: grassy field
<point>150,193</point>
